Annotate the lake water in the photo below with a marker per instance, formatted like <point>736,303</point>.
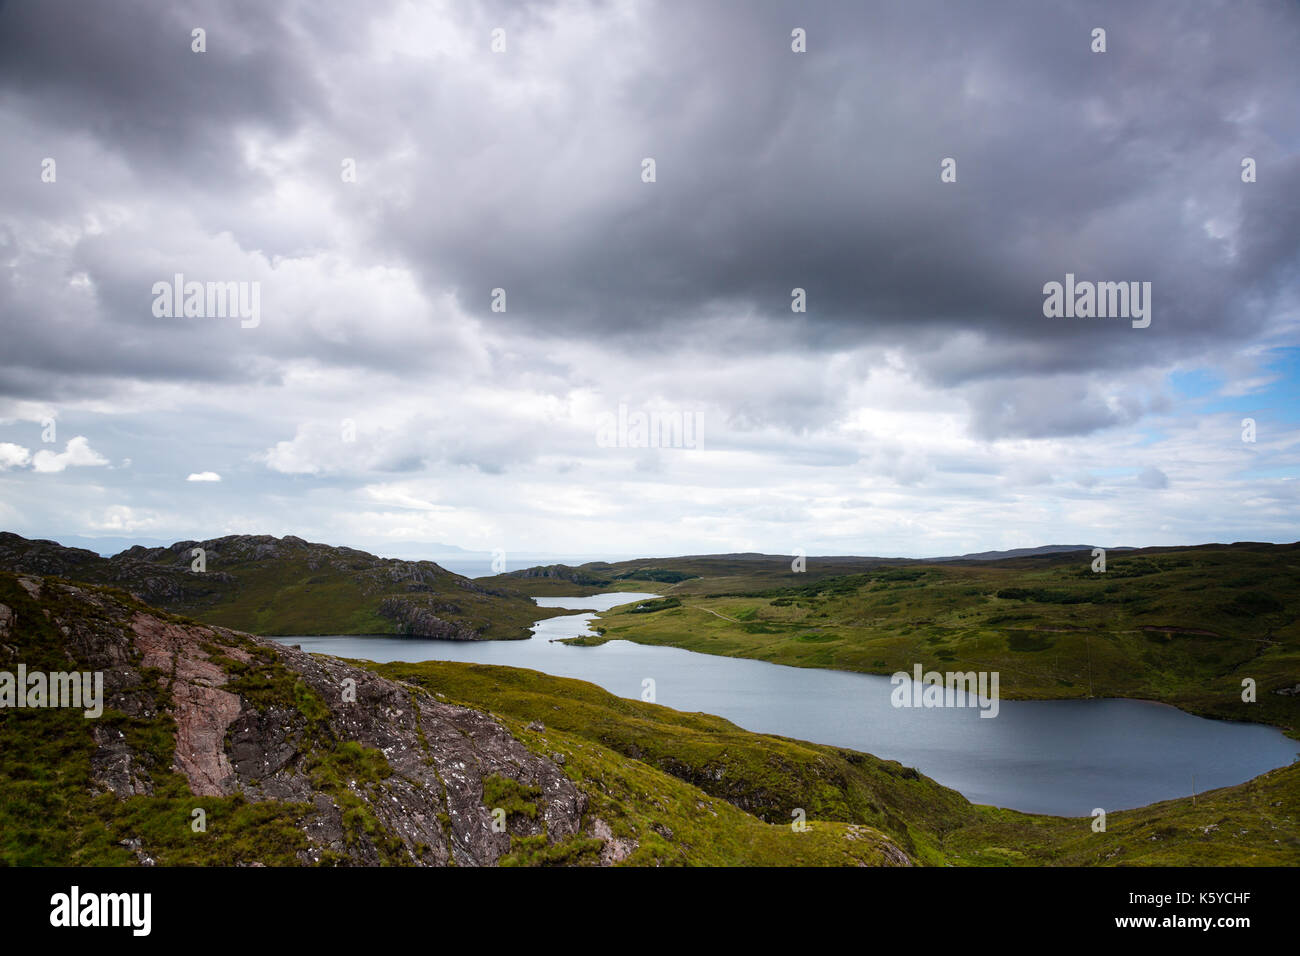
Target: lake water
<point>1059,757</point>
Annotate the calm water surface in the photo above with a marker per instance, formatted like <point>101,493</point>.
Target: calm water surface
<point>1060,757</point>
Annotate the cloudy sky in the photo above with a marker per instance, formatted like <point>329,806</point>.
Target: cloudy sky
<point>922,404</point>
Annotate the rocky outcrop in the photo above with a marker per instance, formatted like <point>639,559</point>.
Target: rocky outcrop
<point>416,618</point>
<point>251,717</point>
<point>561,572</point>
<point>34,556</point>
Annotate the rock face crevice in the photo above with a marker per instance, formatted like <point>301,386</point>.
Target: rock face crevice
<point>255,718</point>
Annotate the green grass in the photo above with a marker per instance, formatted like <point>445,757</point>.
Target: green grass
<point>648,768</point>
<point>692,789</point>
<point>287,587</point>
<point>48,813</point>
<point>511,796</point>
<point>51,814</point>
<point>288,597</point>
<point>1182,626</point>
<point>650,607</point>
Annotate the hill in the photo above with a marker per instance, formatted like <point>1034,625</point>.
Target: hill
<point>288,586</point>
<point>1185,626</point>
<point>742,569</point>
<point>220,748</point>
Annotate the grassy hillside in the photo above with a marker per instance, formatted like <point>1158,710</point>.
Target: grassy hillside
<point>688,575</point>
<point>288,586</point>
<point>601,736</point>
<point>1183,626</point>
<point>347,788</point>
<point>658,786</point>
<point>51,811</point>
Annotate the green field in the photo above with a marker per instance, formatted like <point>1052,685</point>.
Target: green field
<point>1182,626</point>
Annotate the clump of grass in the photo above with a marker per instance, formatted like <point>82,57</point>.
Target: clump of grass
<point>649,607</point>
<point>536,851</point>
<point>511,796</point>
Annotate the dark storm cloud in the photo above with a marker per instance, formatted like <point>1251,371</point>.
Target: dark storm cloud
<point>775,170</point>
<point>125,73</point>
<point>821,171</point>
<point>164,123</point>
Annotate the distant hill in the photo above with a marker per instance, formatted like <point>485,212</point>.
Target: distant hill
<point>288,586</point>
<point>1025,552</point>
<point>108,546</point>
<point>745,568</point>
<point>1186,626</point>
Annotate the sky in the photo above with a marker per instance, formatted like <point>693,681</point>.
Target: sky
<point>482,235</point>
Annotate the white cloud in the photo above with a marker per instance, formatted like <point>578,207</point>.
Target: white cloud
<point>124,519</point>
<point>13,456</point>
<point>884,434</point>
<point>17,410</point>
<point>76,452</point>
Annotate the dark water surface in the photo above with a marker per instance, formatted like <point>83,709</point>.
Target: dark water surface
<point>1059,757</point>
